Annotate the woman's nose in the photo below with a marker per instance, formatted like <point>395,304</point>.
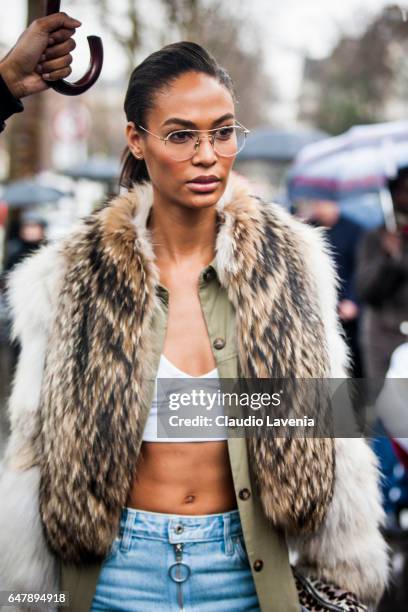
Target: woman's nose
<point>204,152</point>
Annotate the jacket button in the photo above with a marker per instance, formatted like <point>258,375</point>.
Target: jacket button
<point>219,343</point>
<point>244,494</point>
<point>208,275</point>
<point>258,565</point>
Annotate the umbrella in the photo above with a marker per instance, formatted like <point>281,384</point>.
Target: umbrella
<point>277,145</point>
<point>28,192</point>
<point>354,170</point>
<point>97,168</point>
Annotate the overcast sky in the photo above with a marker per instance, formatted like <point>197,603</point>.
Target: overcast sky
<point>288,28</point>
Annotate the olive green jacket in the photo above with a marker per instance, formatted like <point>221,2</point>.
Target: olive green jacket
<point>274,582</point>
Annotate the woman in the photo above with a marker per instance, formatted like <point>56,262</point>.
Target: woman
<point>184,275</point>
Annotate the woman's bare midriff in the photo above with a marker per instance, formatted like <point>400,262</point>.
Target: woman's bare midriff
<point>183,478</point>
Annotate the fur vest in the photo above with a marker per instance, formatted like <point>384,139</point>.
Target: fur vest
<point>82,309</point>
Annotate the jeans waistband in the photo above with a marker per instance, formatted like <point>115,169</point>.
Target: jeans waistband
<point>176,528</point>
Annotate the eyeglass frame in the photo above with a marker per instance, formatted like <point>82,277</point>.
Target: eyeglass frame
<point>198,142</point>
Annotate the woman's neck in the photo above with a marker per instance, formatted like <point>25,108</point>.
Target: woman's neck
<point>181,235</point>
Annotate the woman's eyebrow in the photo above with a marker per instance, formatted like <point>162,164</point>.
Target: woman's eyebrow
<point>192,125</point>
<point>225,117</point>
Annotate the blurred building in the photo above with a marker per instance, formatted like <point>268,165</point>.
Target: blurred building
<point>363,80</point>
<point>316,70</point>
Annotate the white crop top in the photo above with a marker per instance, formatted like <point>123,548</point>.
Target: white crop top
<point>168,370</point>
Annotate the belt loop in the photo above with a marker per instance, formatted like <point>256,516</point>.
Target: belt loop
<point>127,531</point>
<point>229,549</point>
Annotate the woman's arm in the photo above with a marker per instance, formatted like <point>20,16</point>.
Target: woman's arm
<point>348,549</point>
<point>378,274</point>
<point>32,289</point>
<point>26,563</point>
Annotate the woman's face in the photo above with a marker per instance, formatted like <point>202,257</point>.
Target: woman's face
<point>194,101</point>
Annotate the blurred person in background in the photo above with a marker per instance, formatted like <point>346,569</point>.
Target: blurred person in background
<point>31,236</point>
<point>41,54</point>
<point>392,403</point>
<point>344,236</point>
<point>391,445</point>
<point>382,284</point>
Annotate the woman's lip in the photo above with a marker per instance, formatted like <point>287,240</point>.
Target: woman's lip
<point>204,179</point>
<point>203,187</point>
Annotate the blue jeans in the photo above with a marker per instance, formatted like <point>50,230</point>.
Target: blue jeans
<point>169,562</point>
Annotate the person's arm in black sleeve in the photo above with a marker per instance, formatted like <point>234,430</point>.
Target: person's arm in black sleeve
<point>8,103</point>
<point>378,275</point>
<point>350,292</point>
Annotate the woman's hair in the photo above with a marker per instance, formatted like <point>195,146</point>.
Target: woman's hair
<point>157,71</point>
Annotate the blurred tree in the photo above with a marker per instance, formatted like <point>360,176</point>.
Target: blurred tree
<point>360,81</point>
<point>26,129</point>
<point>129,37</point>
<point>211,23</point>
<point>189,16</point>
<point>226,34</point>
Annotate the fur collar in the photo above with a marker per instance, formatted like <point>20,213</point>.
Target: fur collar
<point>98,362</point>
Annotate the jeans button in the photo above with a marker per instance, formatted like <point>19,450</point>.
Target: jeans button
<point>258,565</point>
<point>179,529</point>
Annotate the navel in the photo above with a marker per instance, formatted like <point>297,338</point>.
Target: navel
<point>189,499</point>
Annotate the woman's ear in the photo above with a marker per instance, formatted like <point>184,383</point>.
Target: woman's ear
<point>134,140</point>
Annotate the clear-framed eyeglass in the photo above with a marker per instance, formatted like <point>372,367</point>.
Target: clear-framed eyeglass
<point>182,145</point>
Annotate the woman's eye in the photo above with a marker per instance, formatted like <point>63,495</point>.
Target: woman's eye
<point>180,137</point>
<point>224,133</point>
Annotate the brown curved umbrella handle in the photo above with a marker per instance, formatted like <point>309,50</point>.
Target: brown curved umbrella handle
<point>94,68</point>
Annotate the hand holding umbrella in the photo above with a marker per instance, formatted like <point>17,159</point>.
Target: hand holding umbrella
<point>95,66</point>
<point>19,68</point>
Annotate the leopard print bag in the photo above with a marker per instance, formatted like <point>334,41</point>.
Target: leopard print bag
<point>320,596</point>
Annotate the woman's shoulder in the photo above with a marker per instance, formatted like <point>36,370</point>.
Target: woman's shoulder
<point>30,287</point>
<point>311,242</point>
<point>33,285</point>
<point>310,234</point>
<point>43,266</point>
<point>317,259</point>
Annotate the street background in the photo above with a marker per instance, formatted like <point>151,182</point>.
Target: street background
<point>307,76</point>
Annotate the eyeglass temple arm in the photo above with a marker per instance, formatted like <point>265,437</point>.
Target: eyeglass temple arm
<point>151,133</point>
